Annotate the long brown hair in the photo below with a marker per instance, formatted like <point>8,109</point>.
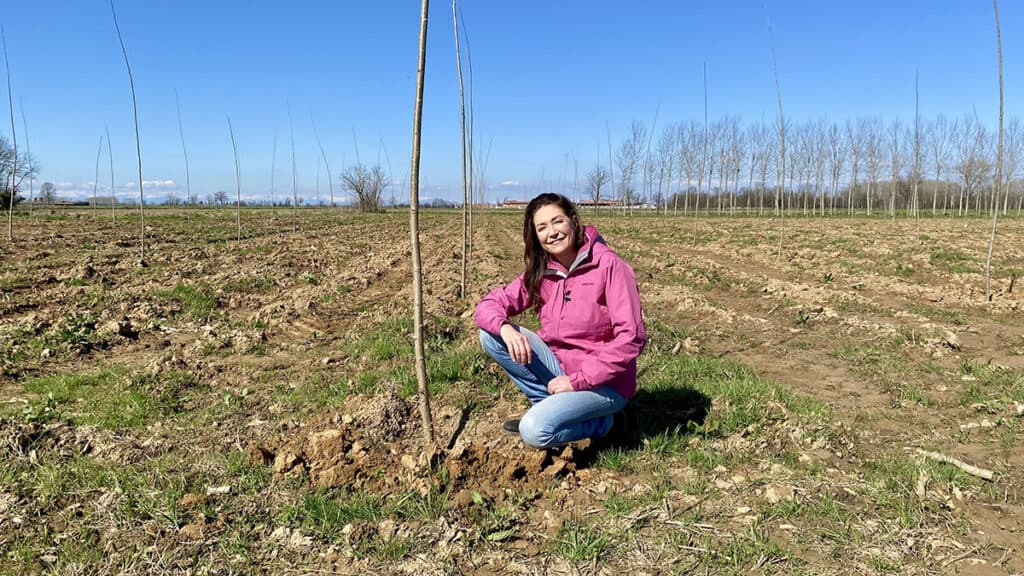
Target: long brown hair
<point>534,256</point>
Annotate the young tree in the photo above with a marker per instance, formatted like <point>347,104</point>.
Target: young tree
<point>414,233</point>
<point>184,152</point>
<point>999,162</point>
<point>12,195</point>
<point>466,194</point>
<point>138,141</point>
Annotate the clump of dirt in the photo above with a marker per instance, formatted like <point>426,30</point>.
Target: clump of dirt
<point>376,444</point>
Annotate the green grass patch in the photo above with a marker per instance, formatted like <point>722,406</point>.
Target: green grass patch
<point>197,302</point>
<point>577,543</point>
<point>109,398</point>
<point>953,261</point>
<point>939,314</point>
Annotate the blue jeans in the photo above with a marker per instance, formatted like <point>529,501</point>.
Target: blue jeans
<point>553,419</point>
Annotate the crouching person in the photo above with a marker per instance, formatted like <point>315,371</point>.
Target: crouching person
<point>579,369</point>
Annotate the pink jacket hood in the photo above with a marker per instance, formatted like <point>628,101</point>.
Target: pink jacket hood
<point>590,317</point>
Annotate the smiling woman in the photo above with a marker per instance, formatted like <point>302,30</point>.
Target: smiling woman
<point>580,367</point>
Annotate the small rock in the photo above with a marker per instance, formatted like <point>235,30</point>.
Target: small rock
<point>285,461</point>
<point>214,490</point>
<point>777,493</point>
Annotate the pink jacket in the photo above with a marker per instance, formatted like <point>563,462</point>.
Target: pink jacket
<point>590,318</point>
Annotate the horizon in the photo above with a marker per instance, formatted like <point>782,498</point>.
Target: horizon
<point>547,108</point>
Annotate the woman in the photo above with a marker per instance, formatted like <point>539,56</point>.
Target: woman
<point>580,368</point>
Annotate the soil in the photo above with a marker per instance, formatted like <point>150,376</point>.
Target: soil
<point>299,297</point>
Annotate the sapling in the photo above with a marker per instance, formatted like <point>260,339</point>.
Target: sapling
<point>96,179</point>
<point>113,193</point>
<point>295,177</point>
<point>999,160</point>
<point>238,181</point>
<point>466,199</point>
<point>28,152</point>
<point>780,181</point>
<point>323,153</point>
<point>184,151</point>
<point>14,139</point>
<point>138,141</point>
<point>273,167</point>
<point>414,233</point>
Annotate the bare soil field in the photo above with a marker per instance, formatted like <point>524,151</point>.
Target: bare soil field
<point>248,407</point>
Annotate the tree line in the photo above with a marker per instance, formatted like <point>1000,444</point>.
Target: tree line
<point>943,166</point>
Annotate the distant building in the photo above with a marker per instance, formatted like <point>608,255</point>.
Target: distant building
<point>599,204</point>
<point>518,204</point>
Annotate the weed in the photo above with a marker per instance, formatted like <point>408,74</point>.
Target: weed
<point>577,543</point>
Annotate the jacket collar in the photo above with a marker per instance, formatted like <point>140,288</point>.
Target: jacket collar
<point>591,240</point>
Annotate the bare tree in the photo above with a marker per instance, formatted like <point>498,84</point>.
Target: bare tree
<point>854,140</point>
<point>596,180</point>
<point>872,156</point>
<point>837,150</point>
<point>630,154</point>
<point>48,193</point>
<point>689,155</point>
<point>367,184</point>
<point>938,135</point>
<point>972,165</point>
<point>896,159</point>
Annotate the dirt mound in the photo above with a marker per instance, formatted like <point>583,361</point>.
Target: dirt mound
<point>376,443</point>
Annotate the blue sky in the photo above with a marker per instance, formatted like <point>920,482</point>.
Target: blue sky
<point>551,81</point>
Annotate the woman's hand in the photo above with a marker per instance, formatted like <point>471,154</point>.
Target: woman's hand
<point>559,384</point>
<point>517,344</point>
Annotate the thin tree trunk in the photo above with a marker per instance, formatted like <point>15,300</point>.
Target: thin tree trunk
<point>462,128</point>
<point>96,179</point>
<point>414,232</point>
<point>28,152</point>
<point>184,151</point>
<point>295,177</point>
<point>113,195</point>
<point>238,182</point>
<point>138,141</point>
<point>273,167</point>
<point>999,160</point>
<point>14,138</point>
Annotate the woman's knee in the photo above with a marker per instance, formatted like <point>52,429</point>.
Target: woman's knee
<point>491,343</point>
<point>535,431</point>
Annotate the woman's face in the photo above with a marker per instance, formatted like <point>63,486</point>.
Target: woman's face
<point>555,231</point>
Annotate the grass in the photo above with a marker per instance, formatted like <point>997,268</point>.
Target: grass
<point>196,302</point>
<point>110,397</point>
<point>578,544</point>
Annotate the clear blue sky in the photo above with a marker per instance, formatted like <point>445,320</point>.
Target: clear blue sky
<point>548,76</point>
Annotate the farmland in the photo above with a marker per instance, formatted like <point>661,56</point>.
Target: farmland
<point>248,406</point>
